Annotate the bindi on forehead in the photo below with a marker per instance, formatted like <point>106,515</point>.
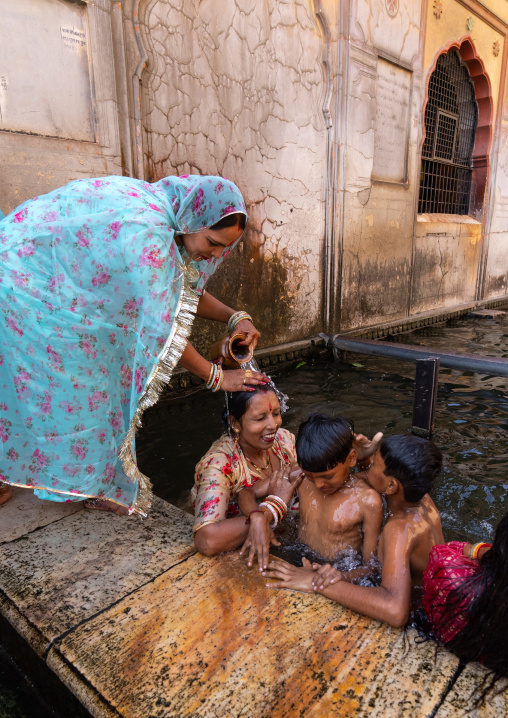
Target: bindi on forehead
<point>270,407</point>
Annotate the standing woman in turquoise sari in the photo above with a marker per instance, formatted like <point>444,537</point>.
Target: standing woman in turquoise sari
<point>100,281</point>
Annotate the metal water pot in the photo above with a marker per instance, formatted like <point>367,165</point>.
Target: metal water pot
<point>230,353</point>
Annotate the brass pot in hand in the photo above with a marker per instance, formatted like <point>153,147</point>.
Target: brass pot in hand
<point>230,353</point>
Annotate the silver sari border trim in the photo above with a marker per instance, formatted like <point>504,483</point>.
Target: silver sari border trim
<point>160,377</point>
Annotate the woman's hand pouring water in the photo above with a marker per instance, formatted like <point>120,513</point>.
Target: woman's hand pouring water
<point>250,330</point>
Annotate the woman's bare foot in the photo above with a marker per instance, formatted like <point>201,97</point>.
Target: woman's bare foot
<point>106,505</point>
<point>5,493</point>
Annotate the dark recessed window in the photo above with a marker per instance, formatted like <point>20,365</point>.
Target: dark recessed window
<point>451,117</point>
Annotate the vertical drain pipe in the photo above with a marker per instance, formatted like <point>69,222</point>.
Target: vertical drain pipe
<point>329,249</point>
<point>136,82</point>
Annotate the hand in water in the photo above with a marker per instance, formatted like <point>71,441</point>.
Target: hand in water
<point>284,482</point>
<point>242,379</point>
<point>259,539</point>
<point>248,328</point>
<point>290,577</point>
<point>324,576</point>
<point>365,447</point>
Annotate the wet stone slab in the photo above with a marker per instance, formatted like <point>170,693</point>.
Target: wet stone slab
<point>24,513</point>
<point>67,571</point>
<point>465,697</point>
<point>208,639</point>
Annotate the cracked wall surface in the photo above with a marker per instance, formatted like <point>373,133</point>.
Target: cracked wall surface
<point>379,212</point>
<point>236,89</point>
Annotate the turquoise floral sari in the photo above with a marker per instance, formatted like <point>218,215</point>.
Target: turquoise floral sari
<point>96,304</point>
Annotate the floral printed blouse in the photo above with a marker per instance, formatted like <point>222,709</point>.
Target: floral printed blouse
<point>223,472</point>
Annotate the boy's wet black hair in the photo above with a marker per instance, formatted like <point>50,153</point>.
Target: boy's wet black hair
<point>324,441</point>
<point>415,462</point>
<point>238,402</point>
<point>231,220</point>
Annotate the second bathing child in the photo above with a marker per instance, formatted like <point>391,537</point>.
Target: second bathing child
<point>338,509</point>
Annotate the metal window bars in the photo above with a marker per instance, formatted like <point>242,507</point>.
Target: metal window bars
<point>451,118</point>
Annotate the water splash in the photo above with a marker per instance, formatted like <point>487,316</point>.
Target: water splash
<point>283,398</point>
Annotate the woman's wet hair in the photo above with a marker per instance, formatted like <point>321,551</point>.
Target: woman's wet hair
<point>235,219</point>
<point>483,638</point>
<point>324,441</point>
<point>415,462</point>
<point>238,402</point>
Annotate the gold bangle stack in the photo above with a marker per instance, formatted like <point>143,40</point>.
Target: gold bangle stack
<point>237,317</point>
<point>215,377</point>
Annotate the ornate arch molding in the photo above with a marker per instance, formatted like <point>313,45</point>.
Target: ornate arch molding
<point>483,140</point>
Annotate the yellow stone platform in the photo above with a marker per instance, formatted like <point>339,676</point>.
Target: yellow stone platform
<point>137,624</point>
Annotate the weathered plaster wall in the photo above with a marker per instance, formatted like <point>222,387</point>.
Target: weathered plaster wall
<point>236,89</point>
<point>379,215</point>
<point>39,155</point>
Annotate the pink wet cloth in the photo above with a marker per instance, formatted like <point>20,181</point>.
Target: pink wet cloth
<point>446,569</point>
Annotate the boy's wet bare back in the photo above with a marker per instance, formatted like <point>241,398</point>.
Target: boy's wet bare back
<point>338,512</point>
<point>419,527</point>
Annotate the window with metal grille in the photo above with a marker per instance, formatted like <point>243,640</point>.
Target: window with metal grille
<point>451,117</point>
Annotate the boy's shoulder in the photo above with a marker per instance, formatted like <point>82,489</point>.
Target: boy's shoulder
<point>365,491</point>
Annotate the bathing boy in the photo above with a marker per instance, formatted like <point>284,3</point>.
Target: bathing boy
<point>405,468</point>
<point>338,509</point>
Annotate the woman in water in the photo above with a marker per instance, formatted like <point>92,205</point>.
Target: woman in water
<point>100,281</point>
<point>254,451</point>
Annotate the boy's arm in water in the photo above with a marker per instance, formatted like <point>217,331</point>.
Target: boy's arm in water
<point>389,602</point>
<point>372,522</point>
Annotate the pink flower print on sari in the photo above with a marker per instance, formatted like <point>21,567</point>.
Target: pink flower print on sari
<point>154,206</point>
<point>109,474</point>
<point>228,208</point>
<point>139,378</point>
<point>55,358</point>
<point>52,437</point>
<point>84,235</point>
<point>21,216</point>
<point>55,281</point>
<point>22,383</point>
<point>101,277</point>
<point>151,256</point>
<point>219,187</point>
<point>26,250</point>
<point>12,455</point>
<point>12,324</point>
<point>96,399</point>
<point>79,448</point>
<point>115,420</point>
<point>101,436</point>
<point>44,403</point>
<point>199,204</point>
<point>39,461</point>
<point>87,344</point>
<point>131,308</point>
<point>112,338</point>
<point>125,376</point>
<point>70,470</point>
<point>69,407</point>
<point>112,231</point>
<point>5,426</point>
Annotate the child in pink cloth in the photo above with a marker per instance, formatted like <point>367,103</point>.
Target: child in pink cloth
<point>466,599</point>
